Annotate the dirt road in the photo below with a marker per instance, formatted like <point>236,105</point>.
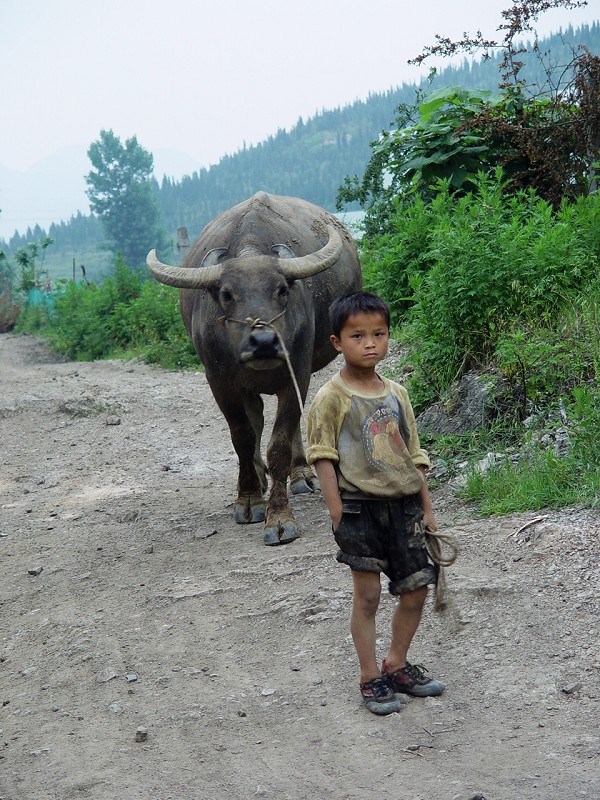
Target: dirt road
<point>131,600</point>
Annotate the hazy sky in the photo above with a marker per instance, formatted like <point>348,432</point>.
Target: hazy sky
<point>203,77</point>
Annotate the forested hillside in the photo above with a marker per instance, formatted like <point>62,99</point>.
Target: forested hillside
<point>310,161</point>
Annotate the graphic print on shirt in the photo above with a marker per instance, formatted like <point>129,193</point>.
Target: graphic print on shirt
<point>383,444</point>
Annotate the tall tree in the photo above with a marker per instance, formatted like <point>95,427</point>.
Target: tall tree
<point>120,192</point>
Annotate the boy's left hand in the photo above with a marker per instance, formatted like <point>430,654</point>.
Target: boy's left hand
<point>429,521</point>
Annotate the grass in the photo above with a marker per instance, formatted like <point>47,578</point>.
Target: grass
<point>540,481</point>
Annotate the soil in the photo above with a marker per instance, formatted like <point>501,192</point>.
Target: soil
<point>152,648</point>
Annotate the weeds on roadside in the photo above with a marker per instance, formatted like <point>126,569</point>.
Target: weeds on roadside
<point>125,316</point>
<point>542,478</point>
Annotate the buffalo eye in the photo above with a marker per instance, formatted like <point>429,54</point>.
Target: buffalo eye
<point>225,296</point>
<point>283,292</point>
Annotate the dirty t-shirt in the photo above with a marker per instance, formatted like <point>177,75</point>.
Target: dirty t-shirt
<point>371,439</point>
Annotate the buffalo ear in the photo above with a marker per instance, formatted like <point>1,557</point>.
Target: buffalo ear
<point>283,251</point>
<point>214,257</point>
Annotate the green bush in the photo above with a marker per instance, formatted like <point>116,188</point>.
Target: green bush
<point>551,357</point>
<point>124,315</point>
<point>487,264</point>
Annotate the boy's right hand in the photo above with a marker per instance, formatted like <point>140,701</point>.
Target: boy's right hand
<point>329,489</point>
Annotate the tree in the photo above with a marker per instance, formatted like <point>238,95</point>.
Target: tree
<point>120,192</point>
<point>33,276</point>
<point>545,138</point>
<point>432,141</point>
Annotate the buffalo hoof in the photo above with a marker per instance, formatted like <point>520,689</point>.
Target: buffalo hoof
<point>304,485</point>
<point>281,534</point>
<point>249,510</point>
<point>303,480</point>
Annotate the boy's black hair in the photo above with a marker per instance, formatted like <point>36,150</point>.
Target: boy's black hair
<point>355,303</point>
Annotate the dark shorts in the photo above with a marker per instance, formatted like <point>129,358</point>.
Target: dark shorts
<point>386,536</point>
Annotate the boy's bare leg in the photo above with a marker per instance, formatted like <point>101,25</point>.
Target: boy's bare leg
<point>365,602</point>
<point>405,621</point>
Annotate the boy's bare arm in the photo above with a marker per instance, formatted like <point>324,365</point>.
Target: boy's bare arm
<point>428,515</point>
<point>329,489</point>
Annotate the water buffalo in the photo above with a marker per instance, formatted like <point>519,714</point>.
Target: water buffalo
<point>255,289</point>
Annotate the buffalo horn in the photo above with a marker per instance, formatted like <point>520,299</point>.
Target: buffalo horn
<point>183,277</point>
<point>306,266</point>
<point>208,277</point>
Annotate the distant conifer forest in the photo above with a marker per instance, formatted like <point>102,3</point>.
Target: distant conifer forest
<point>311,160</point>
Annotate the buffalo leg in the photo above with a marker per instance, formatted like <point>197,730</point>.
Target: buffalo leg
<point>302,478</point>
<point>250,505</point>
<point>253,403</point>
<point>280,525</point>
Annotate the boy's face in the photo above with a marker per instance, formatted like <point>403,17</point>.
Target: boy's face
<point>363,340</point>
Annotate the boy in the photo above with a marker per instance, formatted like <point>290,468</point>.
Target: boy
<point>363,442</point>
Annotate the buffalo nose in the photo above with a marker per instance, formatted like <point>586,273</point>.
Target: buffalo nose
<point>264,344</point>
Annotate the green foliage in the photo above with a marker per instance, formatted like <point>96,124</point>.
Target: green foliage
<point>540,144</point>
<point>19,283</point>
<point>540,481</point>
<point>33,319</point>
<point>9,307</point>
<point>32,275</point>
<point>391,260</point>
<point>123,315</point>
<point>544,137</point>
<point>551,356</point>
<point>541,478</point>
<point>439,144</point>
<point>488,263</point>
<point>120,192</point>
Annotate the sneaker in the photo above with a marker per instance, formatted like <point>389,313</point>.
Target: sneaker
<point>412,680</point>
<point>379,696</point>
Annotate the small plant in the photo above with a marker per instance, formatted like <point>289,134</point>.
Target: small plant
<point>540,481</point>
<point>32,274</point>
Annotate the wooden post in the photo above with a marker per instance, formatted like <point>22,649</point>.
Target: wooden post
<point>73,269</point>
<point>183,243</point>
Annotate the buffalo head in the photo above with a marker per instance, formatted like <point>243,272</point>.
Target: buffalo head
<point>252,292</point>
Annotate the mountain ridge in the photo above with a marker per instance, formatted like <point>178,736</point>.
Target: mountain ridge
<point>311,160</point>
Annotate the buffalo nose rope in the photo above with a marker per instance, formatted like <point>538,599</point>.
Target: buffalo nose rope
<point>260,323</point>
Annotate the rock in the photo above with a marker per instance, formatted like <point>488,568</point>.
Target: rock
<point>141,734</point>
<point>35,570</point>
<point>488,462</point>
<point>83,406</point>
<point>105,676</point>
<point>477,400</point>
<point>571,687</point>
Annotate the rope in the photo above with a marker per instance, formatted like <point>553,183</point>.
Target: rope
<point>260,323</point>
<point>434,542</point>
